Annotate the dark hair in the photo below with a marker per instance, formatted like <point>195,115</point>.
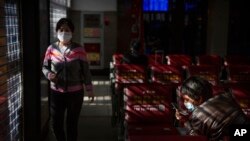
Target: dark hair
<point>66,21</point>
<point>196,87</point>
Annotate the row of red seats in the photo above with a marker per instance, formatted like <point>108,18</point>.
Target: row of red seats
<point>147,109</point>
<point>187,60</point>
<point>126,73</point>
<point>137,103</point>
<point>148,112</point>
<point>234,68</point>
<point>134,77</point>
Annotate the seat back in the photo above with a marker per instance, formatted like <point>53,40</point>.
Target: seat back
<point>181,60</point>
<point>238,73</point>
<point>155,59</point>
<point>214,60</point>
<point>208,72</point>
<point>117,58</point>
<point>166,74</point>
<point>241,93</point>
<point>129,73</point>
<point>148,103</point>
<point>218,89</point>
<point>236,60</point>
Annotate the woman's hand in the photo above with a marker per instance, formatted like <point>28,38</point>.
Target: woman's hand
<point>180,116</point>
<point>53,77</point>
<point>91,96</point>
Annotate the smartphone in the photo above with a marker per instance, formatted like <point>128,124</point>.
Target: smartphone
<point>174,105</point>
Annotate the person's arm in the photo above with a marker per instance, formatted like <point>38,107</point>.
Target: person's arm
<point>181,115</point>
<point>190,130</point>
<point>46,68</point>
<point>196,124</point>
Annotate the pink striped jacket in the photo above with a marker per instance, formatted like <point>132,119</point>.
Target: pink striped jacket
<point>70,67</point>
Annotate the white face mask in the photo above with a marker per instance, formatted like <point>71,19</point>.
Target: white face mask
<point>189,106</point>
<point>64,36</point>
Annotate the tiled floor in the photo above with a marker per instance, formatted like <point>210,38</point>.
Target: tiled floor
<point>95,118</point>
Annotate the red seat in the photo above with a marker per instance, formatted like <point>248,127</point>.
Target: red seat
<point>208,72</point>
<point>214,60</point>
<point>124,74</point>
<point>148,103</point>
<point>155,59</point>
<point>242,95</point>
<point>129,73</point>
<point>218,89</point>
<point>155,129</point>
<point>236,60</point>
<point>238,73</point>
<point>117,58</point>
<point>165,74</point>
<point>181,60</point>
<point>148,109</point>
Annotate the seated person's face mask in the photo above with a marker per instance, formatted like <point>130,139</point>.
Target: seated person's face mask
<point>190,103</point>
<point>190,107</point>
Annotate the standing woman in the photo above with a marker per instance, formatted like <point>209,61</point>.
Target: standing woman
<point>66,67</point>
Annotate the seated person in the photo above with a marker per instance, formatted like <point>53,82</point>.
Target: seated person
<point>209,116</point>
<point>134,56</point>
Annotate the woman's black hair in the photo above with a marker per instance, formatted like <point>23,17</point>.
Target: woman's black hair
<point>196,87</point>
<point>66,21</point>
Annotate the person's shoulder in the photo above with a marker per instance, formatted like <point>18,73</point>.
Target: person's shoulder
<point>223,99</point>
<point>224,95</point>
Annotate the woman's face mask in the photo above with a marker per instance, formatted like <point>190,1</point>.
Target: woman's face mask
<point>64,36</point>
<point>189,106</point>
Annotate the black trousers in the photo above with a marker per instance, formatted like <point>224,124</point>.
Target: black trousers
<point>69,105</point>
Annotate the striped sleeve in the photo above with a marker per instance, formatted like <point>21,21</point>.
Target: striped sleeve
<point>46,62</point>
